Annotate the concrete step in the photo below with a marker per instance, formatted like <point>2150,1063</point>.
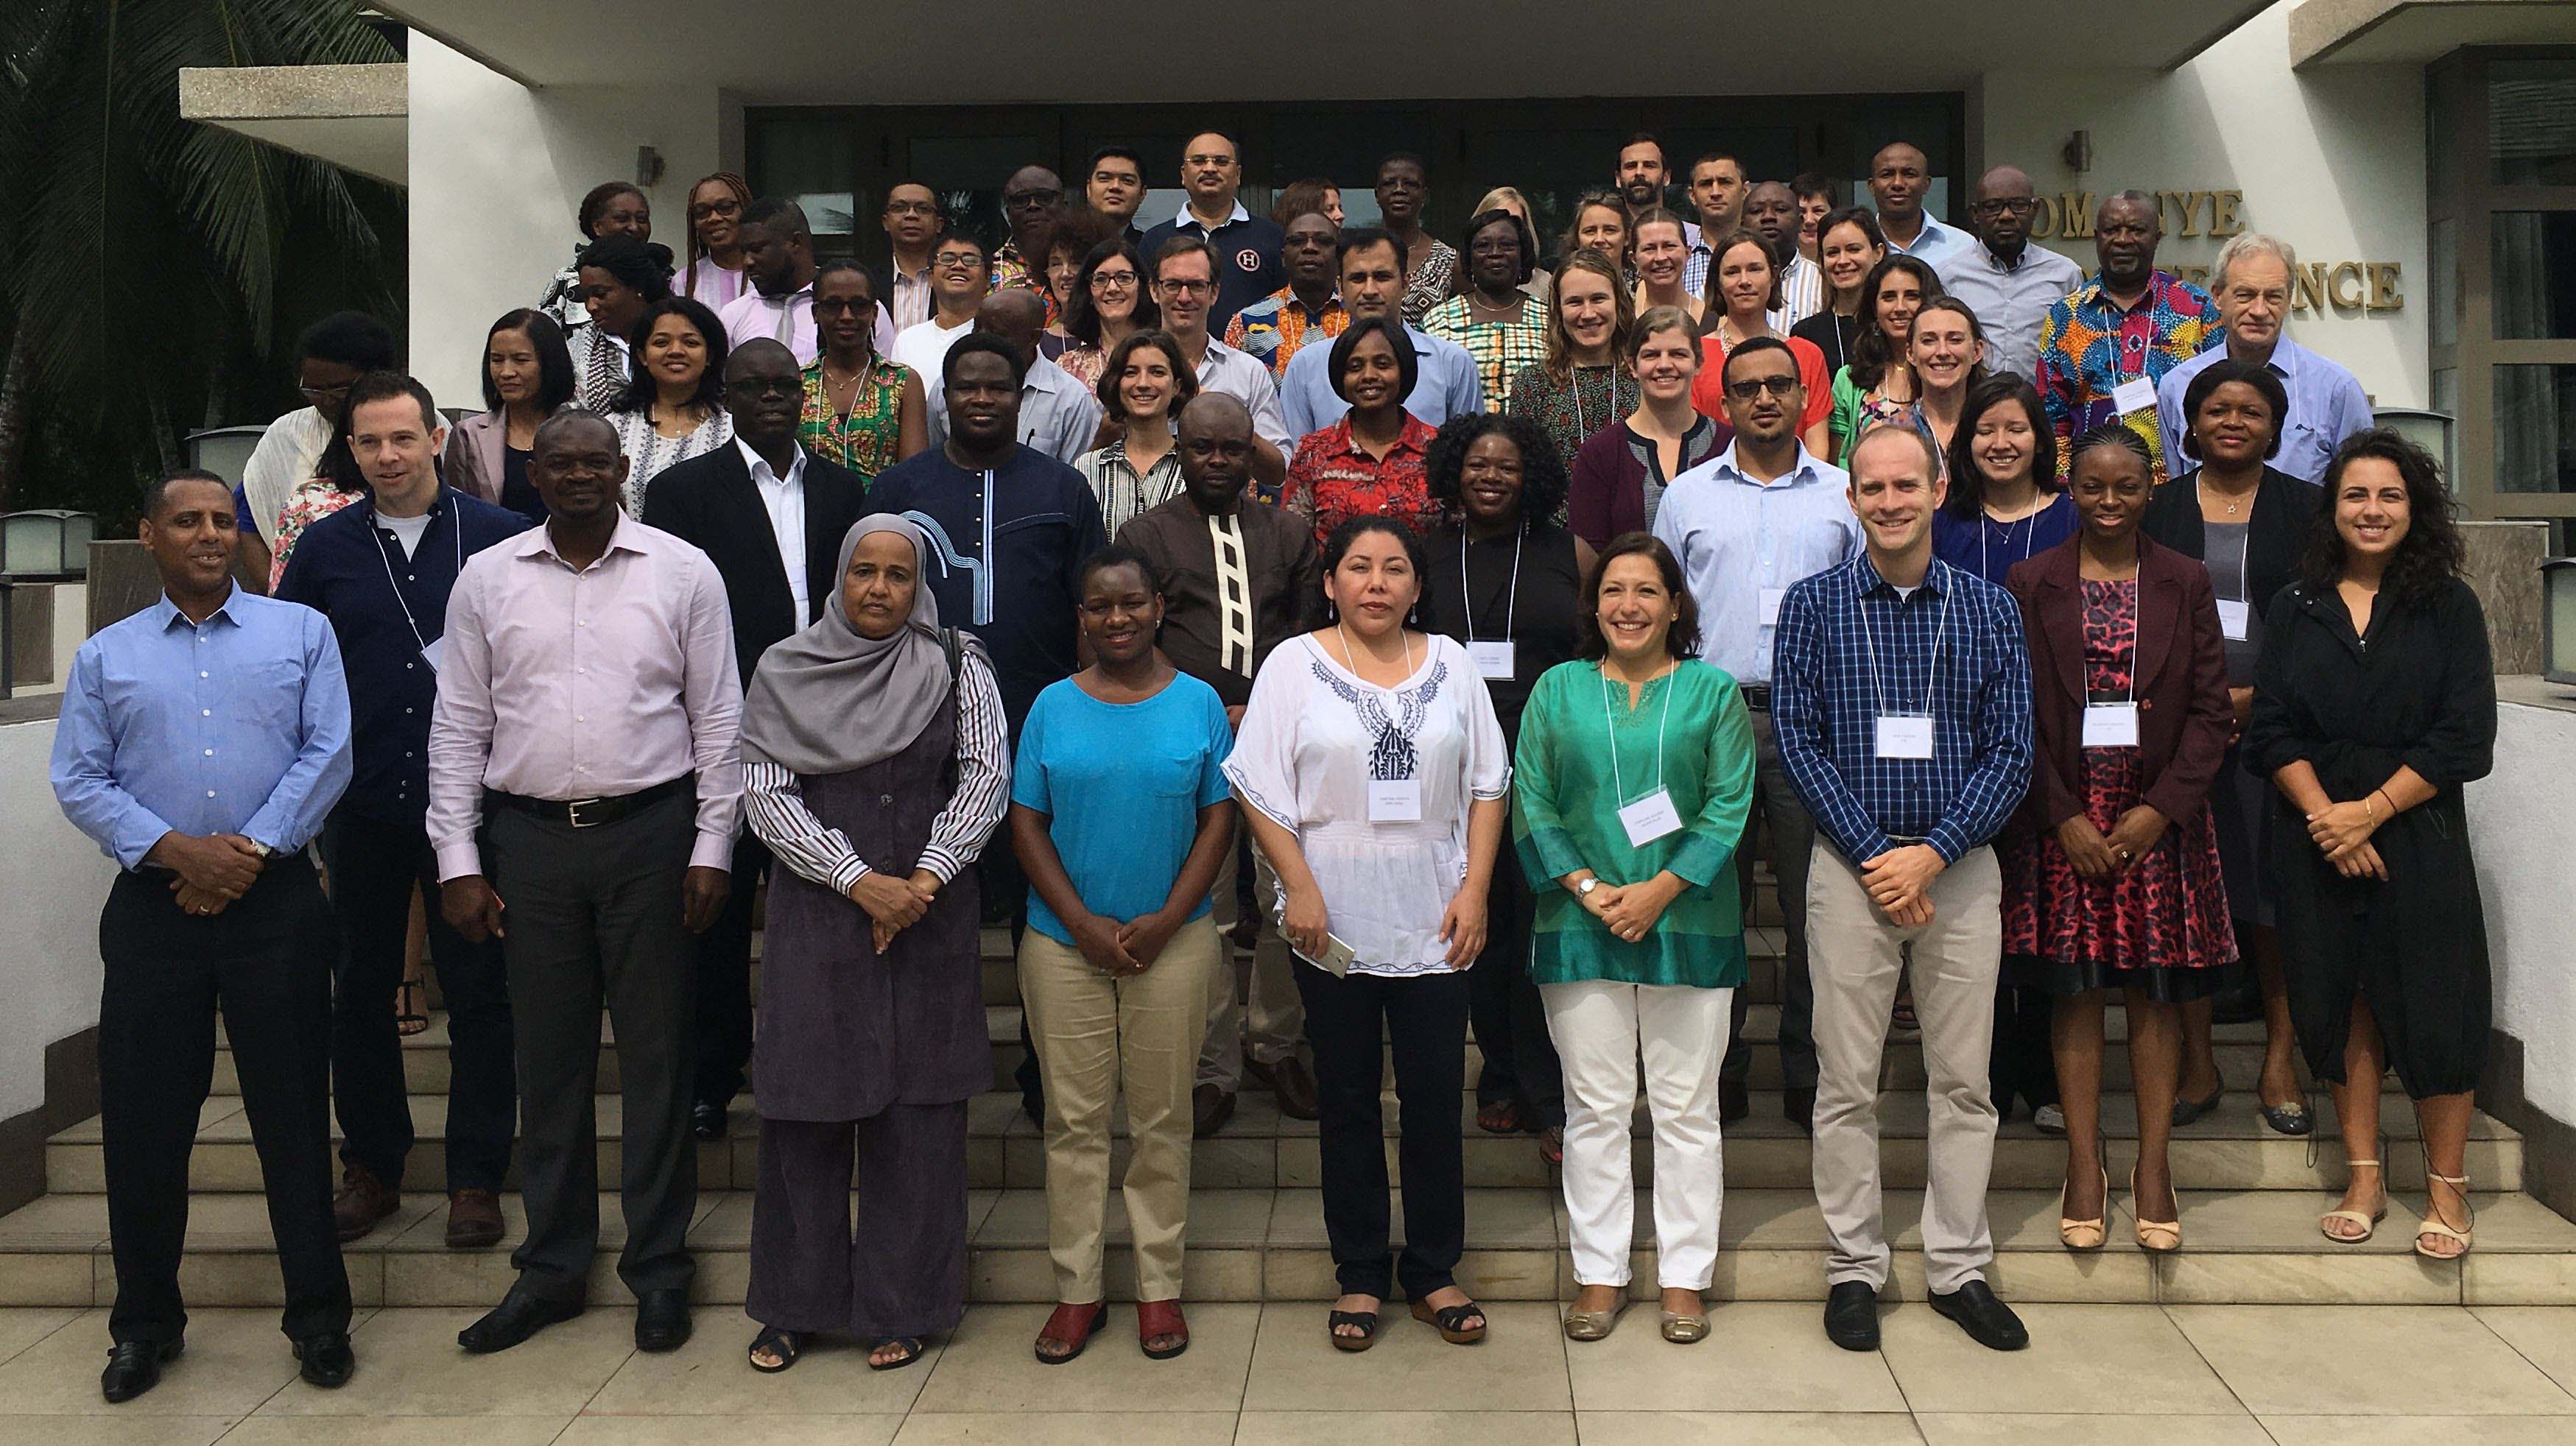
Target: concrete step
<point>1269,1244</point>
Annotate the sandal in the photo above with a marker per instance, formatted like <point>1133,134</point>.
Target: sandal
<point>1502,1117</point>
<point>1900,1015</point>
<point>909,1345</point>
<point>1551,1144</point>
<point>2369,1223</point>
<point>410,1017</point>
<point>785,1345</point>
<point>1366,1320</point>
<point>1161,1320</point>
<point>1451,1321</point>
<point>2432,1227</point>
<point>1069,1330</point>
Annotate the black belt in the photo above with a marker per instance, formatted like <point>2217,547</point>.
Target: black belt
<point>1757,696</point>
<point>589,812</point>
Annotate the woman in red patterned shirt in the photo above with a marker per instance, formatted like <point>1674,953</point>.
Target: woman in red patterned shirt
<point>1370,463</point>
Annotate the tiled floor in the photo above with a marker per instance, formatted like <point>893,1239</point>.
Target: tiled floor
<point>1261,1375</point>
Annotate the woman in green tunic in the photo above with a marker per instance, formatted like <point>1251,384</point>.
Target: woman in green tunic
<point>1633,776</point>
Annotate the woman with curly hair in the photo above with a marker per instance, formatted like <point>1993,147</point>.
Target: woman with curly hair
<point>1506,581</point>
<point>2374,705</point>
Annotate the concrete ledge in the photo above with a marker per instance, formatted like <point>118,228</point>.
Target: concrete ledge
<point>2379,32</point>
<point>354,116</point>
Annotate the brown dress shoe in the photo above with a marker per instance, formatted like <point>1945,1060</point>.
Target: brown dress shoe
<point>363,1200</point>
<point>1291,1082</point>
<point>1210,1108</point>
<point>473,1219</point>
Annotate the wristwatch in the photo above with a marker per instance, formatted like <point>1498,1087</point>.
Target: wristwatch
<point>1584,890</point>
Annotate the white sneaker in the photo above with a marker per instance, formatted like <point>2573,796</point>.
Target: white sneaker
<point>2050,1119</point>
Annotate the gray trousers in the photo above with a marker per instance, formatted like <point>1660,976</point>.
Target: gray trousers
<point>1793,834</point>
<point>593,915</point>
<point>1263,1010</point>
<point>1955,960</point>
<point>904,1272</point>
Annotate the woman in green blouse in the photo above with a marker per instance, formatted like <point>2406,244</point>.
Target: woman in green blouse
<point>1631,783</point>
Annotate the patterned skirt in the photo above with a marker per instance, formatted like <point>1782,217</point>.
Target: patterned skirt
<point>2160,925</point>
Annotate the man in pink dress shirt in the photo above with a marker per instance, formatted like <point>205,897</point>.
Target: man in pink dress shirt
<point>584,789</point>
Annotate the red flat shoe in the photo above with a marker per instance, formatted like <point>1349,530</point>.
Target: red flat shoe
<point>1069,1329</point>
<point>1161,1320</point>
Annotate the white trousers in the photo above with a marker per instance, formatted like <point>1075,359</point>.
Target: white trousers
<point>1600,1030</point>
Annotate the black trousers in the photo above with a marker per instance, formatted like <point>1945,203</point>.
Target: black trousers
<point>722,960</point>
<point>375,865</point>
<point>2020,1063</point>
<point>1503,1005</point>
<point>1349,1023</point>
<point>265,963</point>
<point>1006,901</point>
<point>1778,810</point>
<point>593,915</point>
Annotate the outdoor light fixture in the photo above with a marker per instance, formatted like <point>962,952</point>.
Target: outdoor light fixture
<point>43,546</point>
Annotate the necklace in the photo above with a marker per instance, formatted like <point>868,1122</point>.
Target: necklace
<point>2235,500</point>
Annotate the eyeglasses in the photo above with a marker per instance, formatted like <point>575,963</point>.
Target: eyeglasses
<point>1185,288</point>
<point>1032,198</point>
<point>952,260</point>
<point>912,208</point>
<point>834,305</point>
<point>2009,206</point>
<point>767,386</point>
<point>1113,281</point>
<point>324,394</point>
<point>715,208</point>
<point>1751,387</point>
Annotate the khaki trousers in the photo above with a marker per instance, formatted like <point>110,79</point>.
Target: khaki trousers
<point>1856,956</point>
<point>1269,1015</point>
<point>1100,1039</point>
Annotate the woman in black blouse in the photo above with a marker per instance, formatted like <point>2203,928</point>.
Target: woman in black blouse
<point>2374,702</point>
<point>1508,584</point>
<point>2249,523</point>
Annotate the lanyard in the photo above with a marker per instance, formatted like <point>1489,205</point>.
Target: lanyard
<point>1932,674</point>
<point>2030,540</point>
<point>2244,554</point>
<point>1350,660</point>
<point>1663,715</point>
<point>1581,426</point>
<point>408,620</point>
<point>1467,593</point>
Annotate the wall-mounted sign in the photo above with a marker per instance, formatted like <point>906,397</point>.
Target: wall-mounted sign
<point>2345,287</point>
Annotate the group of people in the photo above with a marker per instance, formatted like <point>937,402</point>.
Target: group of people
<point>2054,637</point>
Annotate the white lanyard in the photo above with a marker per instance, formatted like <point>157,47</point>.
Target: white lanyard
<point>408,620</point>
<point>1663,716</point>
<point>1582,427</point>
<point>1349,662</point>
<point>1467,593</point>
<point>1932,675</point>
<point>2245,550</point>
<point>2030,541</point>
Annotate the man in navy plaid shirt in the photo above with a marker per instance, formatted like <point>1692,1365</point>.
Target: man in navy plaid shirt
<point>1900,691</point>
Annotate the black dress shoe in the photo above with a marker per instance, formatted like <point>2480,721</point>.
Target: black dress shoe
<point>1851,1316</point>
<point>1798,1107</point>
<point>1987,1320</point>
<point>134,1367</point>
<point>1734,1101</point>
<point>521,1314</point>
<point>328,1361</point>
<point>707,1122</point>
<point>661,1320</point>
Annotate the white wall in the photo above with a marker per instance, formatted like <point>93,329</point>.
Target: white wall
<point>2330,159</point>
<point>50,894</point>
<point>497,174</point>
<point>2522,825</point>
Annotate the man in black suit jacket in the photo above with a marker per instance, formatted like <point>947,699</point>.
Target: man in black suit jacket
<point>772,517</point>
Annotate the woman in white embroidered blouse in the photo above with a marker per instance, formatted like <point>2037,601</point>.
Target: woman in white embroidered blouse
<point>1374,777</point>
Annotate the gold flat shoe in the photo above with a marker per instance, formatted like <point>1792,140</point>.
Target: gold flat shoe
<point>1683,1330</point>
<point>1589,1325</point>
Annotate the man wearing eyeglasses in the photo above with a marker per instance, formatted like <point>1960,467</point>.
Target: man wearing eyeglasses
<point>1745,524</point>
<point>959,282</point>
<point>1246,246</point>
<point>2009,283</point>
<point>912,223</point>
<point>1032,200</point>
<point>1185,285</point>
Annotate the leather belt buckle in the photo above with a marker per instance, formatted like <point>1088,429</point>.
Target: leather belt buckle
<point>573,808</point>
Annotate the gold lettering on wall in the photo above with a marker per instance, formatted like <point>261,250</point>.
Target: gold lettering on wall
<point>2383,287</point>
<point>2308,288</point>
<point>2337,277</point>
<point>2366,287</point>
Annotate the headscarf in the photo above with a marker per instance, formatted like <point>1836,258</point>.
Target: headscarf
<point>830,699</point>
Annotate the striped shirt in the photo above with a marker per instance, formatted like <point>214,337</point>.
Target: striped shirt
<point>774,802</point>
<point>1124,492</point>
<point>1850,650</point>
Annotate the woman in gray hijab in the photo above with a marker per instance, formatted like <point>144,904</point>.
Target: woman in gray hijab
<point>875,766</point>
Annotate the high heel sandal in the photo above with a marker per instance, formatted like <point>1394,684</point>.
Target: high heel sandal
<point>2432,1225</point>
<point>2085,1234</point>
<point>2369,1223</point>
<point>2159,1237</point>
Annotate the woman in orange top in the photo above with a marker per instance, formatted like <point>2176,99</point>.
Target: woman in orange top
<point>1746,279</point>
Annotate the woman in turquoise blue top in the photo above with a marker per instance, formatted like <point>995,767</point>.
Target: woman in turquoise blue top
<point>1120,814</point>
<point>1633,777</point>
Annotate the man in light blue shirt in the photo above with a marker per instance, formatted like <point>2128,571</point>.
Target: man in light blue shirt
<point>2252,288</point>
<point>1373,275</point>
<point>1898,178</point>
<point>202,743</point>
<point>2009,283</point>
<point>1746,524</point>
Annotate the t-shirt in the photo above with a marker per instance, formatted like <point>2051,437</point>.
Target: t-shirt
<point>1121,785</point>
<point>406,530</point>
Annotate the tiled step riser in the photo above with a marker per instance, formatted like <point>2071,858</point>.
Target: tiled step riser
<point>1263,1162</point>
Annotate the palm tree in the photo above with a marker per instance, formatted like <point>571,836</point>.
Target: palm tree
<point>147,263</point>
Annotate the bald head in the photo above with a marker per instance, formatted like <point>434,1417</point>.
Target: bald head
<point>571,425</point>
<point>760,356</point>
<point>1017,316</point>
<point>1215,414</point>
<point>1215,447</point>
<point>2000,211</point>
<point>1898,176</point>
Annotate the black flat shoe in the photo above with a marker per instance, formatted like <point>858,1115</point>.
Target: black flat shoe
<point>1987,1320</point>
<point>1798,1107</point>
<point>134,1367</point>
<point>2189,1111</point>
<point>1851,1316</point>
<point>661,1320</point>
<point>707,1122</point>
<point>520,1314</point>
<point>2290,1119</point>
<point>328,1361</point>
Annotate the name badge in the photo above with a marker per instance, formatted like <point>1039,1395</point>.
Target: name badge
<point>1904,736</point>
<point>2235,619</point>
<point>436,650</point>
<point>1395,800</point>
<point>1772,597</point>
<point>2137,394</point>
<point>1493,659</point>
<point>1650,818</point>
<point>2111,725</point>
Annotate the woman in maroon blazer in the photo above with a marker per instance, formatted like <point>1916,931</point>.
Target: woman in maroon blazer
<point>2111,874</point>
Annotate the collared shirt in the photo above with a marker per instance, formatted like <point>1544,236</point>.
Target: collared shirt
<point>238,724</point>
<point>1447,386</point>
<point>1332,479</point>
<point>1123,491</point>
<point>1240,375</point>
<point>2327,405</point>
<point>564,684</point>
<point>2010,299</point>
<point>2088,347</point>
<point>788,319</point>
<point>1933,244</point>
<point>784,497</point>
<point>1802,294</point>
<point>911,303</point>
<point>1695,266</point>
<point>1273,328</point>
<point>1058,415</point>
<point>1247,258</point>
<point>1736,538</point>
<point>388,609</point>
<point>1852,650</point>
<point>710,285</point>
<point>1233,587</point>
